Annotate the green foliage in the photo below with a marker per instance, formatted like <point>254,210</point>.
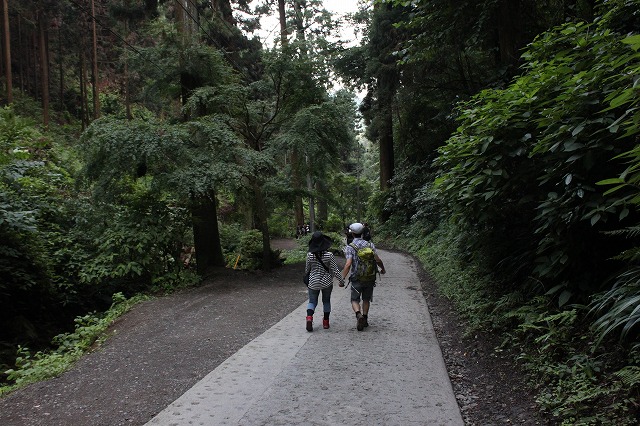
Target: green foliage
<point>175,280</point>
<point>448,51</point>
<point>579,385</point>
<point>33,215</point>
<point>534,206</point>
<point>136,245</point>
<point>578,389</point>
<point>60,253</point>
<point>349,198</point>
<point>197,130</point>
<point>322,135</point>
<point>247,252</point>
<point>525,162</point>
<point>298,254</point>
<point>281,223</point>
<point>619,308</point>
<point>463,282</point>
<point>188,160</point>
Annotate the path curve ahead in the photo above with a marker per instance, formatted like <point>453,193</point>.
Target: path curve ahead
<point>392,373</point>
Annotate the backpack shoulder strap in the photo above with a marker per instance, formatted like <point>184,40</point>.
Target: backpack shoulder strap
<point>321,262</point>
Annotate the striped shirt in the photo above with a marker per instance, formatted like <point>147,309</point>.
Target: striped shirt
<point>319,277</point>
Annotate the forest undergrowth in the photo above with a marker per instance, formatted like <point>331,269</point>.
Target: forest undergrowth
<point>573,382</point>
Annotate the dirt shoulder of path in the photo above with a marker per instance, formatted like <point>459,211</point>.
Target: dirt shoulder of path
<point>489,387</point>
<point>164,346</point>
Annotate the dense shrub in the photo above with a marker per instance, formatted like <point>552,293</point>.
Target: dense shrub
<point>522,170</point>
<point>63,253</point>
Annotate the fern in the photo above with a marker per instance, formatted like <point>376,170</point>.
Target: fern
<point>629,375</point>
<point>619,308</point>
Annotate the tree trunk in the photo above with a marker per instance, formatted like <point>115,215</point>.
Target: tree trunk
<point>386,149</point>
<point>296,179</point>
<point>44,68</point>
<point>21,56</point>
<point>323,211</point>
<point>36,61</point>
<point>298,7</point>
<point>262,224</point>
<point>312,206</point>
<point>7,51</point>
<point>386,93</point>
<point>206,237</point>
<point>84,102</point>
<point>94,60</point>
<point>283,23</point>
<point>2,45</point>
<point>508,30</point>
<point>296,183</point>
<point>61,69</point>
<point>127,95</point>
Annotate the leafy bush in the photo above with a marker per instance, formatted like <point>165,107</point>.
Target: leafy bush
<point>63,254</point>
<point>280,224</point>
<point>521,171</point>
<point>245,251</point>
<point>297,255</point>
<point>617,308</point>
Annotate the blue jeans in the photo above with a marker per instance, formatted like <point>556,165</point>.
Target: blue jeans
<point>326,299</point>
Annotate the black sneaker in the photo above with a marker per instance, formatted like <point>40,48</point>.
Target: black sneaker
<point>366,321</point>
<point>360,323</point>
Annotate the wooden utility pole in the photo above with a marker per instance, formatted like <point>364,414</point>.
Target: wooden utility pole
<point>7,51</point>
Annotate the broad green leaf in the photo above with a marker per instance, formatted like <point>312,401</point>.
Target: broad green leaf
<point>614,189</point>
<point>564,297</point>
<point>578,129</point>
<point>633,41</point>
<point>622,98</point>
<point>624,213</point>
<point>611,181</point>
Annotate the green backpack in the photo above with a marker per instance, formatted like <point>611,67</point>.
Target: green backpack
<point>366,269</point>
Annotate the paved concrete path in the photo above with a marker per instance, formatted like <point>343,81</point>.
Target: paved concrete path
<point>392,373</point>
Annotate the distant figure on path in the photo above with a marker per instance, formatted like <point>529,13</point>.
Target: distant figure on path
<point>366,232</point>
<point>362,266</point>
<point>323,267</point>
